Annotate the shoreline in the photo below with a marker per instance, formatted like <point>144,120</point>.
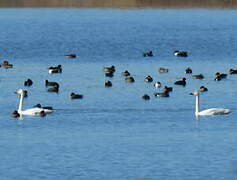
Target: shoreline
<point>227,4</point>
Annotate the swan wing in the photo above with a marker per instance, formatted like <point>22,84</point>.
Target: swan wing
<point>214,111</point>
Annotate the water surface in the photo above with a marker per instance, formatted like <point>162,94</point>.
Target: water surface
<point>112,133</point>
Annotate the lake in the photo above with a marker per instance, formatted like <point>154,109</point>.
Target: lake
<point>112,133</point>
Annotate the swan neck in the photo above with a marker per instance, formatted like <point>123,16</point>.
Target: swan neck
<point>197,104</point>
<point>21,103</point>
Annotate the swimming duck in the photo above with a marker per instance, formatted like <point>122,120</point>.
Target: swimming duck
<point>28,82</point>
<point>108,83</point>
<point>71,55</point>
<point>181,82</point>
<point>76,96</point>
<point>44,107</point>
<point>148,78</point>
<point>221,75</point>
<point>129,79</point>
<point>217,78</point>
<point>109,69</point>
<point>157,84</point>
<point>203,89</point>
<point>15,114</point>
<point>168,89</point>
<point>148,54</point>
<point>126,73</point>
<point>198,76</point>
<point>146,97</point>
<point>162,94</point>
<point>55,88</point>
<point>181,53</point>
<point>6,65</point>
<point>109,74</point>
<point>51,83</point>
<point>188,70</point>
<point>163,70</point>
<point>233,71</point>
<point>55,69</point>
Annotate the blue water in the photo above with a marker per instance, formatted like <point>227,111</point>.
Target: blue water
<point>112,133</point>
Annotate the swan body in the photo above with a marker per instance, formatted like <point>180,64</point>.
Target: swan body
<point>36,111</point>
<point>214,111</point>
<point>208,112</point>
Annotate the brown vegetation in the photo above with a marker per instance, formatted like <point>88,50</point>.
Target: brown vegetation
<point>119,3</point>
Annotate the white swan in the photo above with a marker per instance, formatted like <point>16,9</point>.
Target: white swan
<point>33,111</point>
<point>207,112</point>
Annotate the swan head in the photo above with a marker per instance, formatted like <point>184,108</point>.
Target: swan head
<point>195,93</point>
<point>21,91</point>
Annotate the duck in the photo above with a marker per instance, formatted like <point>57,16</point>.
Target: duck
<point>28,82</point>
<point>36,111</point>
<point>52,71</point>
<point>188,71</point>
<point>55,69</point>
<point>148,78</point>
<point>163,70</point>
<point>198,76</point>
<point>181,53</point>
<point>148,54</point>
<point>157,84</point>
<point>76,96</point>
<point>232,71</point>
<point>146,97</point>
<point>6,64</point>
<point>108,84</point>
<point>222,75</point>
<point>217,78</point>
<point>129,79</point>
<point>126,73</point>
<point>51,83</point>
<point>203,89</point>
<point>55,88</point>
<point>162,94</point>
<point>207,112</point>
<point>181,82</point>
<point>25,93</point>
<point>109,74</point>
<point>109,69</point>
<point>168,89</point>
<point>15,114</point>
<point>71,55</point>
<point>44,107</point>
